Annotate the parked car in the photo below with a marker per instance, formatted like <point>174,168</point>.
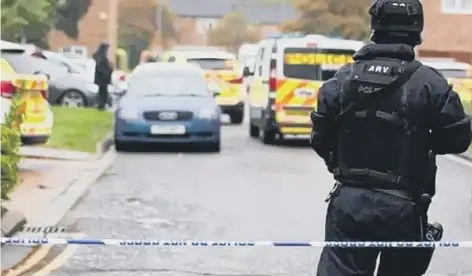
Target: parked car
<point>38,118</point>
<point>119,82</point>
<point>168,103</point>
<point>73,68</point>
<point>64,88</point>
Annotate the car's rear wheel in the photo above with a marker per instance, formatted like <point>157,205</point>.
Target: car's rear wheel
<point>73,98</point>
<point>237,117</point>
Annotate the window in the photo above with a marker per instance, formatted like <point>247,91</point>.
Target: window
<point>456,6</point>
<point>213,63</point>
<point>171,59</point>
<point>314,64</point>
<point>168,84</point>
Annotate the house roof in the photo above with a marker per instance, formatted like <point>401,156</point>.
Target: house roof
<point>257,11</point>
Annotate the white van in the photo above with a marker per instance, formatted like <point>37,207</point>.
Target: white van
<point>288,72</point>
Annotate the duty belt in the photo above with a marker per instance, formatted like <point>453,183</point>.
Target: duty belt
<point>371,179</point>
<point>398,193</point>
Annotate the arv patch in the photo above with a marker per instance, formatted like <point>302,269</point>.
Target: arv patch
<point>378,69</point>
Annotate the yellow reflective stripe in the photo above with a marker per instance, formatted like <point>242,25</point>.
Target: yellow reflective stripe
<point>30,82</point>
<point>283,97</point>
<point>285,92</point>
<point>295,130</point>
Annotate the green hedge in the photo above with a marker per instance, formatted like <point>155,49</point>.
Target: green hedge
<point>10,147</point>
<point>10,158</point>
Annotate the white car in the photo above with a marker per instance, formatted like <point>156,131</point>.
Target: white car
<point>119,83</point>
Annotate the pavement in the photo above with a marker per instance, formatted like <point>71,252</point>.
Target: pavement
<point>51,181</point>
<point>249,191</point>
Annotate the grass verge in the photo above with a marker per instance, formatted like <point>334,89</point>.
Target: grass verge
<point>79,129</point>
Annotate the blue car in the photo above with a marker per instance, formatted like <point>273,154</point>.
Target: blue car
<point>168,103</point>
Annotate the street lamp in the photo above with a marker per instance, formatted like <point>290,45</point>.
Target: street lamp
<point>103,16</point>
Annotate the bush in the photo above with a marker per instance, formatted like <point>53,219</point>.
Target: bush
<point>10,158</point>
<point>10,145</point>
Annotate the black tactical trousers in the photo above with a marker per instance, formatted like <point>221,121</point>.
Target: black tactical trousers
<point>364,215</point>
<point>102,96</point>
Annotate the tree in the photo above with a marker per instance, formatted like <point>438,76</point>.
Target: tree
<point>30,21</point>
<point>68,15</point>
<point>331,17</point>
<point>18,15</point>
<point>233,30</point>
<point>143,16</point>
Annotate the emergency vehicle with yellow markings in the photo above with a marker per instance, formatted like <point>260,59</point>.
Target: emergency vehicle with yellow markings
<point>223,75</point>
<point>37,116</point>
<point>288,72</point>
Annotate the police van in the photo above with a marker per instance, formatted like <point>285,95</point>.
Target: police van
<point>288,72</point>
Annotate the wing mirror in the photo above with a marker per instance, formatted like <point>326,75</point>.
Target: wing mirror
<point>247,72</point>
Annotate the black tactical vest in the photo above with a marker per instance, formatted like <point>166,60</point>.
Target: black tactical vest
<point>374,129</point>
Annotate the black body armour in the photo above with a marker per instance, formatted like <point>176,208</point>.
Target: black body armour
<point>374,129</point>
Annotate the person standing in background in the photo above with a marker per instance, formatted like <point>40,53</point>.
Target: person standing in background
<point>103,72</point>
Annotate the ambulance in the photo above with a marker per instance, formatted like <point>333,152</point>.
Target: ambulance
<point>288,72</point>
<point>223,75</point>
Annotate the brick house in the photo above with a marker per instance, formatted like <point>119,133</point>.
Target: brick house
<point>195,18</point>
<point>98,25</point>
<point>448,29</point>
<point>447,23</point>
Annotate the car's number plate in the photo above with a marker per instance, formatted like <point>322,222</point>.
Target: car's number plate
<point>168,129</point>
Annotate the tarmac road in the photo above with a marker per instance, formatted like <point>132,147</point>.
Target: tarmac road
<point>248,192</point>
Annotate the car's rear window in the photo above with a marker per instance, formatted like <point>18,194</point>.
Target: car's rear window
<point>213,63</point>
<point>314,64</point>
<point>20,62</point>
<point>167,84</point>
<point>27,64</point>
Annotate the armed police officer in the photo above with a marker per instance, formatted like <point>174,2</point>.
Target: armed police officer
<point>378,122</point>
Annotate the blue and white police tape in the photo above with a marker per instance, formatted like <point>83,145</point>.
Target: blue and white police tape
<point>196,243</point>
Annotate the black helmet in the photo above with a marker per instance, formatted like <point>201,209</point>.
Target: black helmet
<point>402,19</point>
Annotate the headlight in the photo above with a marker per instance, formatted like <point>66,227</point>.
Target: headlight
<point>129,113</point>
<point>92,87</point>
<point>208,114</point>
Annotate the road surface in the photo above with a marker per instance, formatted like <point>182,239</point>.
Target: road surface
<point>248,192</point>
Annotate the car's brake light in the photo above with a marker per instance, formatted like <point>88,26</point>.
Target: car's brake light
<point>44,93</point>
<point>7,89</point>
<point>273,76</point>
<point>237,81</point>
